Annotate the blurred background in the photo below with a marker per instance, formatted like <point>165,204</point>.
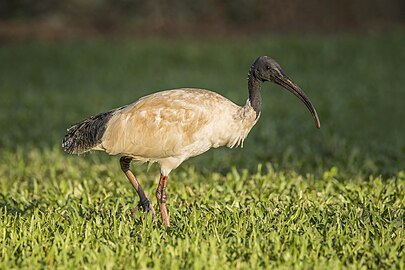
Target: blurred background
<point>62,61</point>
<point>53,20</point>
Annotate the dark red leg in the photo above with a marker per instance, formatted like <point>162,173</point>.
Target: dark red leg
<point>144,202</point>
<point>162,198</point>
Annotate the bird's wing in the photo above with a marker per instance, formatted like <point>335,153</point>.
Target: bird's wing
<point>162,124</point>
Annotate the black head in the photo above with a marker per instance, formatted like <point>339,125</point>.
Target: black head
<point>267,69</point>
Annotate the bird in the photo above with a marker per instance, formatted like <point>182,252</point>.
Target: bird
<point>171,126</point>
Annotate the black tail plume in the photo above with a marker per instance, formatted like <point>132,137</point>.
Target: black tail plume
<point>85,135</point>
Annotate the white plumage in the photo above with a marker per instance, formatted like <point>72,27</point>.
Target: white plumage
<point>171,126</point>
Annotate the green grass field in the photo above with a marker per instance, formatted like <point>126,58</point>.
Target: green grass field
<point>293,197</point>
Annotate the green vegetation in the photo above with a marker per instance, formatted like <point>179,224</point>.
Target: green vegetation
<point>293,197</point>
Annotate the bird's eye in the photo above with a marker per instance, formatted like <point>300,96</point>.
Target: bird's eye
<point>267,67</point>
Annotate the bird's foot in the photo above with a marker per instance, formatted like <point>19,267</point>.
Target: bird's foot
<point>145,205</point>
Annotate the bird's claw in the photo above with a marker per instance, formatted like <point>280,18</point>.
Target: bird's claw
<point>146,206</point>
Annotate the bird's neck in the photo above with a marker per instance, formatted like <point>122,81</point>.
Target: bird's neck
<point>255,98</point>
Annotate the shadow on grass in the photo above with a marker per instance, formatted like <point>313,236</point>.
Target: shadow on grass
<point>13,207</point>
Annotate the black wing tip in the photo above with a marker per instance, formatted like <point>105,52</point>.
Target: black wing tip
<point>69,146</point>
<point>84,136</point>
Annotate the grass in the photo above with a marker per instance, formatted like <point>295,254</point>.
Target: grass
<point>293,197</point>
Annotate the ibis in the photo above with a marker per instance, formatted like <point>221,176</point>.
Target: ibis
<point>172,126</point>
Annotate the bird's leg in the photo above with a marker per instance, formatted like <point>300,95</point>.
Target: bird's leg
<point>144,202</point>
<point>162,198</point>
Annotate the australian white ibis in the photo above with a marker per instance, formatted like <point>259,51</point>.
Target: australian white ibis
<point>171,126</point>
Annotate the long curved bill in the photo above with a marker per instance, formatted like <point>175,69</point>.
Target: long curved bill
<point>285,82</point>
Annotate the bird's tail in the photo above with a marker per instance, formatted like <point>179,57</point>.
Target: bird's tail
<point>87,134</point>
